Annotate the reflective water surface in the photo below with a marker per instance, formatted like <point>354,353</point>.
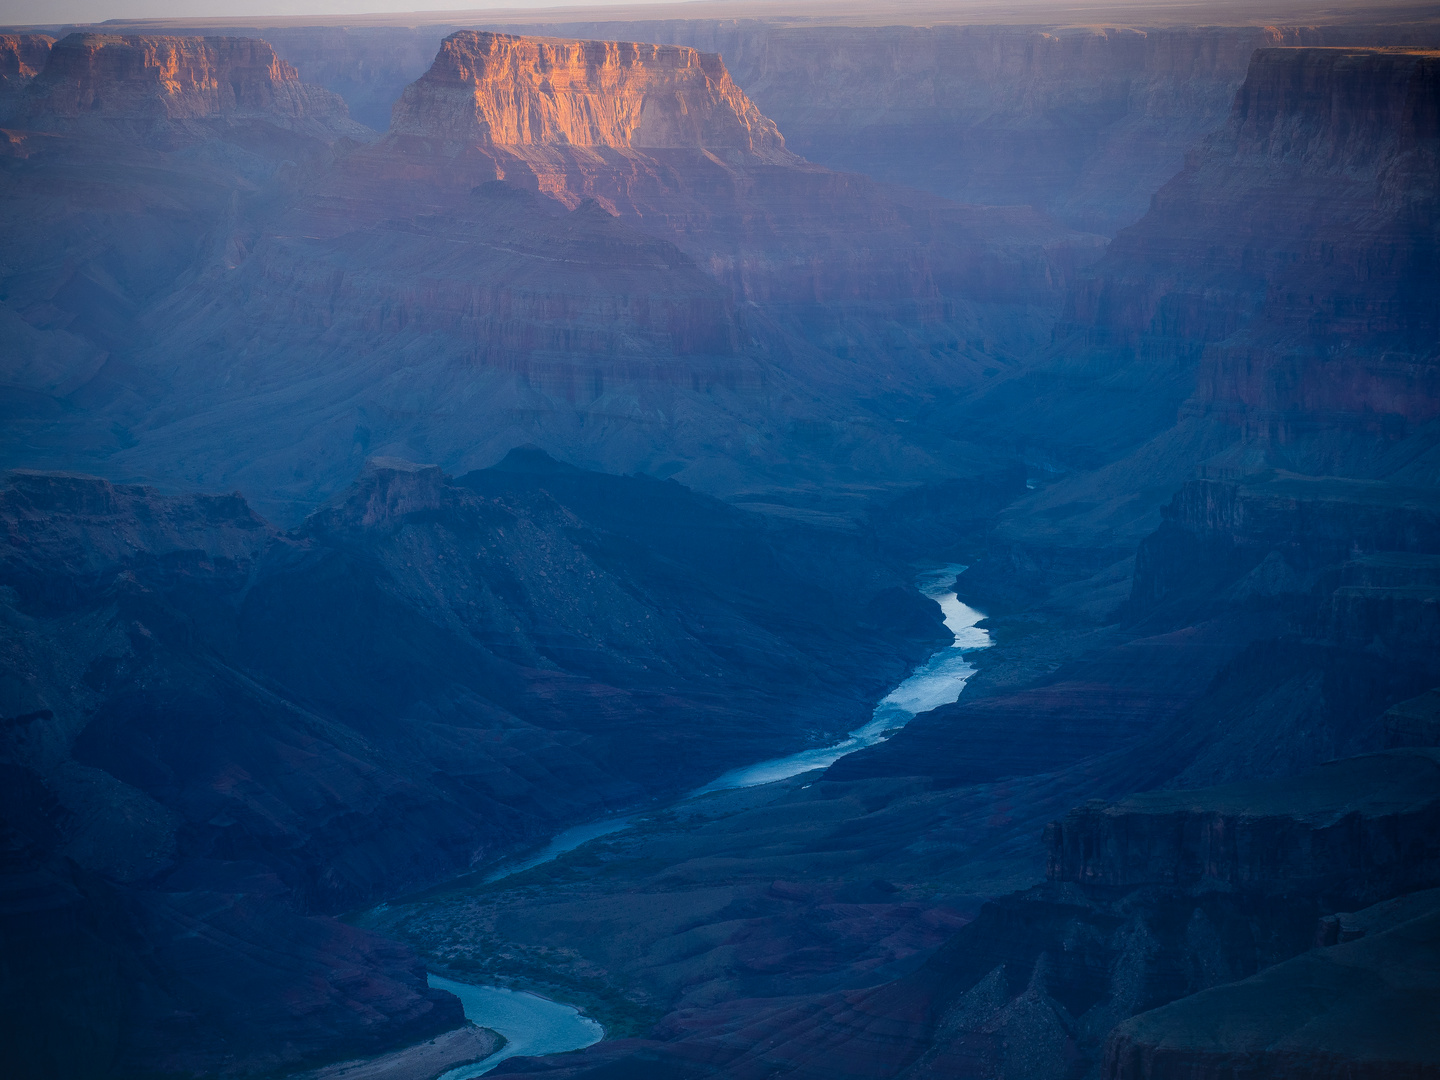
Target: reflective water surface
<point>536,1025</point>
<point>936,682</point>
<point>531,1024</point>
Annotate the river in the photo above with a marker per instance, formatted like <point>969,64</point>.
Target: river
<point>936,682</point>
<point>532,1025</point>
<point>535,1025</point>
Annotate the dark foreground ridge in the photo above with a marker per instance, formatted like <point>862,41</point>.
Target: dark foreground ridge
<point>218,734</point>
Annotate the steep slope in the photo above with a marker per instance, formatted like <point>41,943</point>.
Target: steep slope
<point>118,77</point>
<point>218,736</point>
<point>1082,122</point>
<point>496,89</point>
<point>1361,1008</point>
<point>1267,624</point>
<point>1083,117</point>
<point>721,184</point>
<point>22,56</point>
<point>1272,309</point>
<point>1150,900</point>
<point>432,255</point>
<point>126,162</point>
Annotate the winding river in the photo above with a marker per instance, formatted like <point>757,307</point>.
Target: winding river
<point>532,1025</point>
<point>936,682</point>
<point>535,1025</point>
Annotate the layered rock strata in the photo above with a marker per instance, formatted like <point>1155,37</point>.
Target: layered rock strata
<point>217,736</point>
<point>1355,831</point>
<point>1276,534</point>
<point>129,77</point>
<point>1155,903</point>
<point>497,89</point>
<point>1272,309</point>
<point>1083,122</point>
<point>493,280</point>
<point>22,56</point>
<point>1361,1008</point>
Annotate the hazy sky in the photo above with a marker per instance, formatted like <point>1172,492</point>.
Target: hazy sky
<point>29,12</point>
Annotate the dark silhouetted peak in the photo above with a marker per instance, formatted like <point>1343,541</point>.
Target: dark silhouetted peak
<point>502,90</point>
<point>591,209</point>
<point>532,459</point>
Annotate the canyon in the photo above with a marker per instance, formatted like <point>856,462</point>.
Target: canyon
<point>428,435</point>
<point>432,725</point>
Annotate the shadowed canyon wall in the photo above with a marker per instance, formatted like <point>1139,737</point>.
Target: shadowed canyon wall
<point>217,735</point>
<point>1271,310</point>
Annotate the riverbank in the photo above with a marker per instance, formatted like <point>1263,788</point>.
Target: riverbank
<point>441,1055</point>
<point>477,927</point>
<point>532,1026</point>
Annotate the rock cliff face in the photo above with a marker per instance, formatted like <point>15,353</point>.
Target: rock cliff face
<point>22,56</point>
<point>1275,533</point>
<point>1354,831</point>
<point>1154,899</point>
<point>1318,204</point>
<point>1083,122</point>
<point>245,732</point>
<point>625,304</point>
<point>129,164</point>
<point>1270,311</point>
<point>497,89</point>
<point>1360,1008</point>
<point>129,77</point>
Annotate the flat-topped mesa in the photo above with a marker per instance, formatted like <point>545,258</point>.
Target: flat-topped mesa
<point>501,90</point>
<point>128,77</point>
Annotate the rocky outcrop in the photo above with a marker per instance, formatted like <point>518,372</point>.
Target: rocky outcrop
<point>216,736</point>
<point>1354,831</point>
<point>22,56</point>
<point>1278,534</point>
<point>1317,203</point>
<point>1415,722</point>
<point>1082,122</point>
<point>1271,310</point>
<point>130,77</point>
<point>626,306</point>
<point>497,89</point>
<point>1154,899</point>
<point>189,129</point>
<point>1361,1009</point>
